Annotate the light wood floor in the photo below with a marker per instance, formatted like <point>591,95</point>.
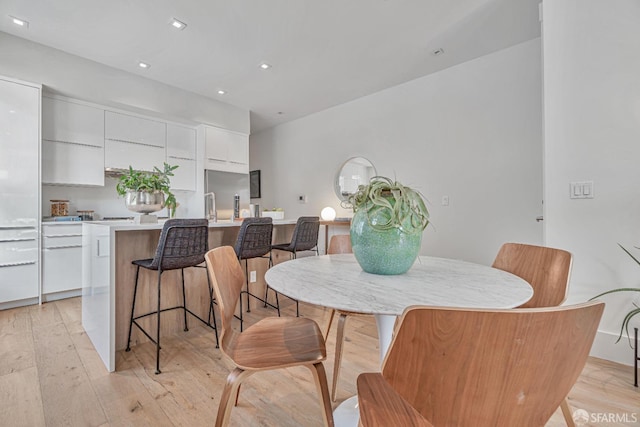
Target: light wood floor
<point>50,375</point>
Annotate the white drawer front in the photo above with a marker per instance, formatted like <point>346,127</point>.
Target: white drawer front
<point>62,230</point>
<point>62,241</point>
<point>18,282</point>
<point>61,269</point>
<point>18,252</point>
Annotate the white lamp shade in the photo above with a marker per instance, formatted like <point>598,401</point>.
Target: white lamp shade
<point>328,214</point>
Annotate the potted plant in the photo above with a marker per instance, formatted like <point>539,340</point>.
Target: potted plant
<point>386,230</point>
<point>634,311</point>
<point>145,192</point>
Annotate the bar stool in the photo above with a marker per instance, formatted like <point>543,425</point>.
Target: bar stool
<point>304,238</point>
<point>182,244</point>
<point>254,241</point>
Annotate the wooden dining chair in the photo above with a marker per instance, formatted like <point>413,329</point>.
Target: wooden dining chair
<point>547,270</point>
<point>339,244</point>
<point>465,367</point>
<point>271,343</point>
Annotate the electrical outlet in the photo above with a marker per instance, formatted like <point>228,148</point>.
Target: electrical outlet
<point>252,276</point>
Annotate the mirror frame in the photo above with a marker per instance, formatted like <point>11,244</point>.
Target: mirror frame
<point>337,187</point>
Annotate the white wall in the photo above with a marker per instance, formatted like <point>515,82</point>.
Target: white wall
<point>592,132</point>
<point>472,132</point>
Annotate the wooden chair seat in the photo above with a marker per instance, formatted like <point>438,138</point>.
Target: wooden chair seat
<point>283,342</point>
<point>271,343</point>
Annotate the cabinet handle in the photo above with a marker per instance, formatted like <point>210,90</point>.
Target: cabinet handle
<point>18,239</point>
<point>63,247</point>
<point>54,236</point>
<point>17,264</point>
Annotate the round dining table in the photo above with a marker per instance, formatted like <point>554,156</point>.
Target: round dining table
<point>338,282</point>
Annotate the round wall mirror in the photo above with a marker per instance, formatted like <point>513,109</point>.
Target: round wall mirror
<point>354,172</point>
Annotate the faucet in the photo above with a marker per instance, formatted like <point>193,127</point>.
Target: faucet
<point>210,207</point>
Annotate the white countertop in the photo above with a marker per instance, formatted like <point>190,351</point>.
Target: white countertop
<point>124,225</point>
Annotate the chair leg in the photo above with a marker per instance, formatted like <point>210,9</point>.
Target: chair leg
<point>326,332</point>
<point>342,320</point>
<point>241,318</point>
<point>566,411</point>
<point>229,392</point>
<point>133,306</point>
<point>277,303</point>
<point>320,378</point>
<point>212,314</point>
<point>246,275</point>
<point>184,302</point>
<point>158,324</point>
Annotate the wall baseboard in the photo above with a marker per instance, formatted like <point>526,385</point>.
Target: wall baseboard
<point>605,347</point>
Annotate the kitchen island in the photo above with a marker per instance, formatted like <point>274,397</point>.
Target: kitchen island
<point>108,247</point>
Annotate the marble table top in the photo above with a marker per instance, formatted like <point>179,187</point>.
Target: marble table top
<point>337,281</point>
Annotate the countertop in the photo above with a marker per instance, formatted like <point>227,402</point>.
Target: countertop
<point>123,225</point>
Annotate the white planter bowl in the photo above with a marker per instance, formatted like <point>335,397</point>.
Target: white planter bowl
<point>273,214</point>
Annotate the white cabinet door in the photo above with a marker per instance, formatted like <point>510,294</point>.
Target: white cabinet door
<point>64,163</point>
<point>61,258</point>
<point>216,145</point>
<point>184,178</point>
<point>70,122</point>
<point>123,127</point>
<point>238,149</point>
<point>226,151</point>
<point>121,155</point>
<point>181,152</point>
<point>181,142</point>
<point>61,269</point>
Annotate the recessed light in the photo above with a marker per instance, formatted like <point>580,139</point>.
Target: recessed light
<point>19,22</point>
<point>221,92</point>
<point>143,65</point>
<point>438,51</point>
<point>177,24</point>
<point>265,66</point>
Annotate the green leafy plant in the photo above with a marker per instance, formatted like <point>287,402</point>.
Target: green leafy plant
<point>392,204</point>
<point>158,180</point>
<point>635,311</point>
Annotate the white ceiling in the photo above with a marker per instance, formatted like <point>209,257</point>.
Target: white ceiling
<point>323,52</point>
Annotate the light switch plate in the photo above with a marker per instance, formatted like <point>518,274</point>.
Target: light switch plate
<point>581,190</point>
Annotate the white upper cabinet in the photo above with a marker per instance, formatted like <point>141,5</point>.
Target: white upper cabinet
<point>72,143</point>
<point>181,151</point>
<point>226,151</point>
<point>64,121</point>
<point>126,128</point>
<point>181,142</point>
<point>133,141</point>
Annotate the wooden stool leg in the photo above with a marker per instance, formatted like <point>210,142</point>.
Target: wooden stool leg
<point>566,411</point>
<point>320,378</point>
<point>342,320</point>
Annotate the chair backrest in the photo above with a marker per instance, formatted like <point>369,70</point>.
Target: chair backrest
<point>547,270</point>
<point>340,244</point>
<point>254,238</point>
<point>227,279</point>
<point>462,367</point>
<point>305,233</point>
<point>182,244</point>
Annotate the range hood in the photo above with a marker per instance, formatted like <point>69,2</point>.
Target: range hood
<point>118,172</point>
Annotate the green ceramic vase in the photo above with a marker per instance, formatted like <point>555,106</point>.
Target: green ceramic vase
<point>387,252</point>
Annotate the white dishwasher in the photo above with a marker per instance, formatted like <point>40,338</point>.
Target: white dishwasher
<point>61,260</point>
